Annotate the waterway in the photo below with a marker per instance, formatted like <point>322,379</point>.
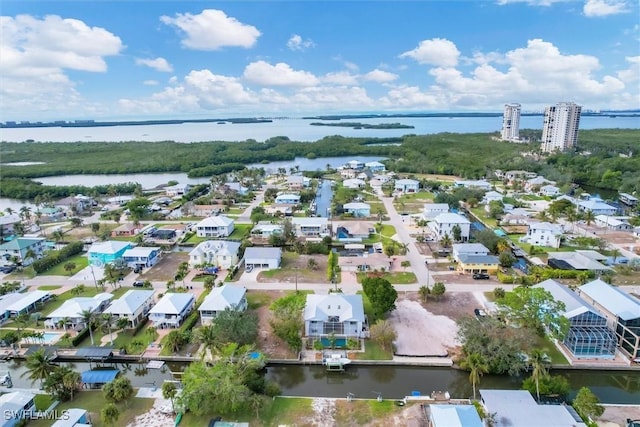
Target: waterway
<point>296,129</point>
<point>392,382</point>
<point>323,198</point>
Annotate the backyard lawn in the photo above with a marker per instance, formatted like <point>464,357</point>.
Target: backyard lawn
<point>396,278</point>
<point>79,261</point>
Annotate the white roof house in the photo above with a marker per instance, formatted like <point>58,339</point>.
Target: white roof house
<point>519,408</point>
<point>313,226</point>
<point>577,260</point>
<point>549,190</point>
<point>220,253</point>
<point>612,298</point>
<point>468,249</point>
<point>171,310</point>
<point>266,229</point>
<point>354,183</point>
<point>444,223</point>
<point>619,223</point>
<point>598,207</point>
<point>481,184</point>
<point>260,257</point>
<point>375,166</point>
<point>74,417</point>
<point>340,314</point>
<point>72,309</point>
<point>18,404</point>
<point>286,198</point>
<point>454,416</point>
<point>133,305</point>
<point>109,247</point>
<point>431,210</point>
<point>215,226</point>
<point>27,301</point>
<point>491,196</point>
<point>406,185</point>
<point>543,234</point>
<point>220,299</point>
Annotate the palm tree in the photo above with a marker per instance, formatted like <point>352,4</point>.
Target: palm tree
<point>9,211</point>
<point>110,414</point>
<point>29,254</point>
<point>169,391</point>
<point>572,217</point>
<point>71,381</point>
<point>25,213</point>
<point>477,366</point>
<point>88,318</point>
<point>106,321</point>
<point>206,336</point>
<point>39,366</point>
<point>445,242</point>
<point>588,218</point>
<point>63,322</point>
<point>540,365</point>
<point>122,323</point>
<point>615,253</point>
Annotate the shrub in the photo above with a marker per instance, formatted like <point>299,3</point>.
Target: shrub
<point>82,335</point>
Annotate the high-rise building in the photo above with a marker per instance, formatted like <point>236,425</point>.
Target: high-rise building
<point>560,129</point>
<point>511,122</point>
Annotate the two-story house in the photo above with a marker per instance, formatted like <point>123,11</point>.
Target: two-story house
<point>310,227</point>
<point>443,225</point>
<point>19,248</point>
<point>171,310</point>
<point>215,226</point>
<point>101,253</point>
<point>141,257</point>
<point>218,253</point>
<point>357,209</point>
<point>134,306</point>
<point>334,314</point>
<point>543,234</point>
<point>406,185</point>
<point>226,297</point>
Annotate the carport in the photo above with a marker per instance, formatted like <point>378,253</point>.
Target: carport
<point>98,377</point>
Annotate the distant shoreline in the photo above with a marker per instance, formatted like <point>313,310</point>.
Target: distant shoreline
<point>249,120</point>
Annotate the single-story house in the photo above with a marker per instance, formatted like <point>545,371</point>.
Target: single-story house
<point>287,199</point>
<point>516,174</point>
<point>453,416</point>
<point>16,406</point>
<point>19,247</point>
<point>218,253</point>
<point>7,222</point>
<point>259,257</point>
<point>334,314</point>
<point>365,175</point>
<point>310,227</point>
<point>266,230</point>
<point>432,210</point>
<point>120,200</point>
<point>549,190</point>
<point>215,226</point>
<point>134,305</point>
<point>492,196</point>
<point>226,297</point>
<point>101,253</point>
<point>598,207</point>
<point>443,224</point>
<point>537,182</point>
<point>617,223</point>
<point>589,336</point>
<point>543,234</point>
<point>519,408</point>
<point>279,209</point>
<point>141,256</point>
<point>357,209</point>
<point>406,185</point>
<point>17,303</point>
<point>622,311</point>
<point>164,234</point>
<point>74,417</point>
<point>126,230</point>
<point>471,264</point>
<point>171,310</point>
<point>481,184</point>
<point>354,183</point>
<point>78,203</point>
<point>69,314</point>
<point>177,190</point>
<point>382,178</point>
<point>583,260</point>
<point>468,249</point>
<point>352,230</point>
<point>236,187</point>
<point>370,262</point>
<point>375,166</point>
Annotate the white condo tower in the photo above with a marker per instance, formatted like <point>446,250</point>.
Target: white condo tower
<point>511,123</point>
<point>560,129</point>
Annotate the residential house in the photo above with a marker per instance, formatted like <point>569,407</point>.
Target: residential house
<point>76,204</point>
<point>15,407</point>
<point>628,199</point>
<point>215,226</point>
<point>177,190</point>
<point>622,311</point>
<point>310,227</point>
<point>217,253</point>
<point>352,231</point>
<point>511,218</point>
<point>382,178</point>
<point>432,210</point>
<point>167,234</point>
<point>468,249</point>
<point>480,184</point>
<point>366,263</point>
<point>365,175</point>
<point>258,257</point>
<point>101,253</point>
<point>348,173</point>
<point>443,224</point>
<point>517,174</point>
<point>266,229</point>
<point>465,415</point>
<point>582,260</point>
<point>141,256</point>
<point>69,314</point>
<point>14,304</point>
<point>550,190</point>
<point>134,306</point>
<point>6,225</point>
<point>354,183</point>
<point>334,314</point>
<point>207,210</point>
<point>589,336</point>
<point>235,187</point>
<point>492,196</point>
<point>598,207</point>
<point>357,209</point>
<point>375,167</point>
<point>126,230</point>
<point>119,200</point>
<point>354,164</point>
<point>18,248</point>
<point>288,199</point>
<point>519,408</point>
<point>406,185</point>
<point>617,223</point>
<point>171,310</point>
<point>471,264</point>
<point>543,234</point>
<point>279,209</point>
<point>536,183</point>
<point>298,182</point>
<point>226,297</point>
<point>74,417</point>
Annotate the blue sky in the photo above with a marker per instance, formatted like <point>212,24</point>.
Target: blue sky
<point>161,59</point>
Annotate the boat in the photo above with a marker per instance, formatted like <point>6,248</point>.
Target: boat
<point>178,419</point>
<point>335,362</point>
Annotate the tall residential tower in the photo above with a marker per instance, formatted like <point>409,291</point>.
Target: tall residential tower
<point>511,123</point>
<point>560,129</point>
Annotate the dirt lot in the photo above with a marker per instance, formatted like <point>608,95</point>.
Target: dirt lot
<point>165,269</point>
<point>617,415</point>
<point>272,346</point>
<point>429,329</point>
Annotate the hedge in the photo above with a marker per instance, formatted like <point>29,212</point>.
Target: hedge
<point>80,337</point>
<point>54,258</point>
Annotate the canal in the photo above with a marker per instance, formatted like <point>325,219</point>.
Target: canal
<point>392,382</point>
<point>323,198</point>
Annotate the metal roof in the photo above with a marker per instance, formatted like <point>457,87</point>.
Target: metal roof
<point>95,352</point>
<point>455,416</point>
<point>574,305</point>
<point>99,376</point>
<point>227,296</point>
<point>613,299</point>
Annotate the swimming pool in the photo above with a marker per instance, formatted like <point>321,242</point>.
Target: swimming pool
<point>51,337</point>
<point>339,342</point>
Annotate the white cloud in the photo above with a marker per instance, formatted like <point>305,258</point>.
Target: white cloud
<point>297,43</point>
<point>438,52</point>
<point>632,74</point>
<point>158,64</point>
<point>212,30</point>
<point>380,76</point>
<point>340,78</point>
<point>597,8</point>
<point>151,83</point>
<point>281,74</point>
<point>532,2</point>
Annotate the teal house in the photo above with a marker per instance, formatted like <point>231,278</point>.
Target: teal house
<point>101,253</point>
<point>357,209</point>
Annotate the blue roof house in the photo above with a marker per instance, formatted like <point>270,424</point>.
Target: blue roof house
<point>101,253</point>
<point>357,209</point>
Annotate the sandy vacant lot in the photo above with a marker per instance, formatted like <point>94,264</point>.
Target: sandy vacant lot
<point>617,415</point>
<point>420,332</point>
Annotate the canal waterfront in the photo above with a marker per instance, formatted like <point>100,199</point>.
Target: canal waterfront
<point>365,381</point>
<point>323,198</point>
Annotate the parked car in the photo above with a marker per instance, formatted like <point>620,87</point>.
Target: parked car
<point>7,268</point>
<point>479,312</point>
<point>138,284</point>
<point>480,276</point>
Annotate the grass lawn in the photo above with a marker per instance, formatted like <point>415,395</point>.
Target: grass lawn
<point>420,196</point>
<point>557,358</point>
<point>80,261</point>
<point>48,287</point>
<point>386,230</point>
<point>372,351</point>
<point>368,308</point>
<point>397,278</point>
<point>376,208</point>
<point>93,401</point>
<point>43,402</point>
<point>135,344</point>
<point>482,215</point>
<point>257,299</point>
<point>365,412</point>
<point>240,231</point>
